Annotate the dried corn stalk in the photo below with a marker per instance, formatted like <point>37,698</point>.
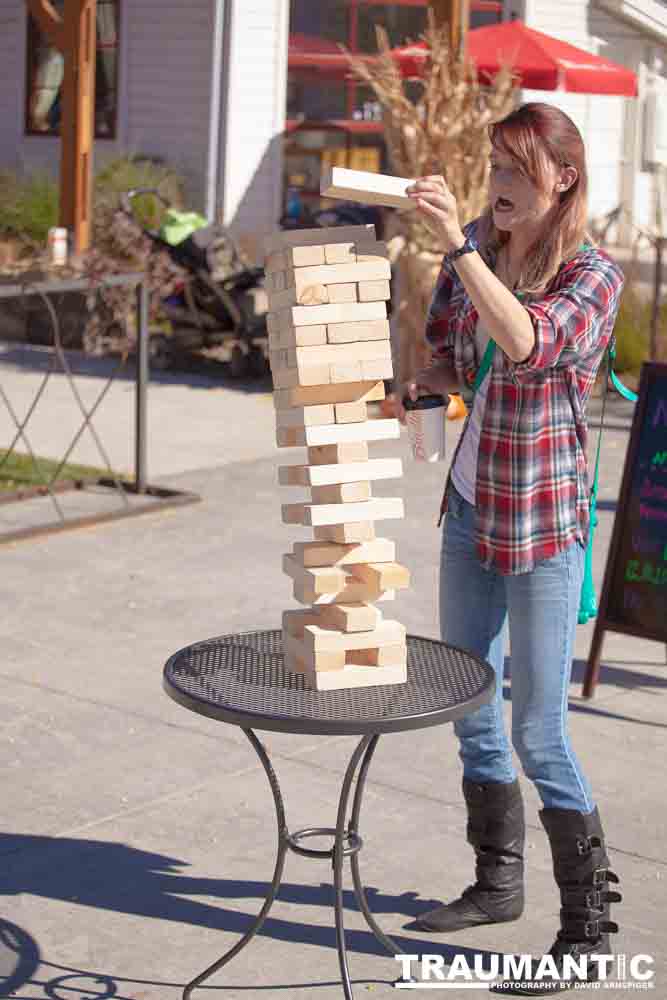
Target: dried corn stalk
<point>444,132</point>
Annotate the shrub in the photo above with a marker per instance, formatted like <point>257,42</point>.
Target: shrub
<point>28,206</point>
<point>632,329</point>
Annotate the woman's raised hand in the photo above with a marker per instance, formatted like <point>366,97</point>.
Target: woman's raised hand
<point>438,206</point>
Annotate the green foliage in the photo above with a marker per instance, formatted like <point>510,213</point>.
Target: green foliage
<point>28,206</point>
<point>29,203</point>
<point>130,172</point>
<point>632,330</point>
<point>18,471</point>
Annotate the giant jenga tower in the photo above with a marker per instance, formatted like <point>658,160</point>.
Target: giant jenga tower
<point>330,351</point>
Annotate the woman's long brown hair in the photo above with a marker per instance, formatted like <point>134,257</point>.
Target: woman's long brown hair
<point>533,135</point>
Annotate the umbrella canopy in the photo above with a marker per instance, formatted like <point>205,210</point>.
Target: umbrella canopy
<point>539,61</point>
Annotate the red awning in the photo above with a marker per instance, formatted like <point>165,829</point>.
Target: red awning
<point>483,6</point>
<point>540,61</point>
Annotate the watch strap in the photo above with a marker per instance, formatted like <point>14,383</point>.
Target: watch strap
<point>470,245</point>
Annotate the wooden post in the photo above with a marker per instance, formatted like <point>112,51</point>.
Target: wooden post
<point>75,35</point>
<point>455,13</point>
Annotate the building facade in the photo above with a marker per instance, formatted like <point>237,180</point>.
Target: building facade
<point>248,97</point>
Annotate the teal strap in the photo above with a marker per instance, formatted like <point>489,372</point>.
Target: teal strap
<point>487,361</point>
<point>623,389</point>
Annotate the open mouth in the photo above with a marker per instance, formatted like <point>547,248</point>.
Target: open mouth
<point>503,205</point>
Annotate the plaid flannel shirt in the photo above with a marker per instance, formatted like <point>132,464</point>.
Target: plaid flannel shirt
<point>532,495</point>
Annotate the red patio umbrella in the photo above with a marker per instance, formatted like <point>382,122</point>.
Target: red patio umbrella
<point>539,61</point>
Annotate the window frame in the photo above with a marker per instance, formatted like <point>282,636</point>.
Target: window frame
<point>31,34</point>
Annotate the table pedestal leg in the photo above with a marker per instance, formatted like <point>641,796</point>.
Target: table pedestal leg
<point>359,890</point>
<point>277,872</point>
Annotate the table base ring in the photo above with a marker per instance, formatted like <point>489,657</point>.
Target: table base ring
<point>354,843</point>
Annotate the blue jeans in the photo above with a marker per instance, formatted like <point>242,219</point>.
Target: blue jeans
<point>542,607</point>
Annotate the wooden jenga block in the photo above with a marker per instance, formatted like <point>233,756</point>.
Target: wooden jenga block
<point>337,274</point>
<point>353,592</point>
<point>388,632</point>
<point>369,430</point>
<point>340,374</point>
<point>351,312</point>
<point>342,293</point>
<point>381,368</point>
<point>340,253</point>
<point>374,291</point>
<point>287,378</point>
<point>308,295</point>
<point>394,655</point>
<point>305,416</point>
<point>331,354</point>
<point>328,454</point>
<point>378,509</point>
<point>348,617</point>
<point>342,493</point>
<point>343,534</point>
<point>353,677</point>
<point>366,187</point>
<point>331,475</point>
<point>318,579</point>
<point>305,256</point>
<point>294,256</point>
<point>350,413</point>
<point>330,554</point>
<point>347,333</point>
<point>384,576</point>
<point>294,622</point>
<point>309,395</point>
<point>318,237</point>
<point>300,336</point>
<point>367,250</point>
<point>296,650</point>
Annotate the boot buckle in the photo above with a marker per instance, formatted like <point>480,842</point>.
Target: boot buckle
<point>581,896</point>
<point>600,875</point>
<point>583,846</point>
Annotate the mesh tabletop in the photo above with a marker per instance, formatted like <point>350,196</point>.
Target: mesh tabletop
<point>242,679</point>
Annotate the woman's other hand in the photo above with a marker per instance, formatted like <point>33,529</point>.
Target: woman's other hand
<point>431,380</point>
<point>438,206</point>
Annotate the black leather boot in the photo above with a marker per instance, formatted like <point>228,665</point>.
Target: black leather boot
<point>496,831</point>
<point>582,873</point>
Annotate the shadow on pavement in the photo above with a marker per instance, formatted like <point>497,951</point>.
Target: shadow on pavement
<point>122,879</point>
<point>195,371</point>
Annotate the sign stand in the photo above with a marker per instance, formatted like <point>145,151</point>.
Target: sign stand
<point>634,593</point>
<point>75,35</point>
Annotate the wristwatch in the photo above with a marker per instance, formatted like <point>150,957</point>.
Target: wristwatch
<point>469,246</point>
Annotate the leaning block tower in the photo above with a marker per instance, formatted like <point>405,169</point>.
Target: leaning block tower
<point>330,352</point>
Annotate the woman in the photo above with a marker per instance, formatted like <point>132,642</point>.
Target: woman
<point>517,504</point>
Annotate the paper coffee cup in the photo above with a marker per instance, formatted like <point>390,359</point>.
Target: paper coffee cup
<point>425,420</point>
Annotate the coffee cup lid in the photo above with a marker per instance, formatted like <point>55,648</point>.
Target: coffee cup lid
<point>429,402</point>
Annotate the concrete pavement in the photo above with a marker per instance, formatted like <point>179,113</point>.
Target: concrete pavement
<point>138,838</point>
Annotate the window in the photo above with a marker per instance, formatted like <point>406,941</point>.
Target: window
<point>45,76</point>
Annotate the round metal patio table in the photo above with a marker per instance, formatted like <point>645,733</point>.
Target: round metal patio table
<point>241,679</point>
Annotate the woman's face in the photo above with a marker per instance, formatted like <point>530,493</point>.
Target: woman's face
<point>516,201</point>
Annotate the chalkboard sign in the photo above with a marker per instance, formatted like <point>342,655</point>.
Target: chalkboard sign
<point>634,593</point>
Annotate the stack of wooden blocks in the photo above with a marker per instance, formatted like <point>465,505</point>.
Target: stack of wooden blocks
<point>330,352</point>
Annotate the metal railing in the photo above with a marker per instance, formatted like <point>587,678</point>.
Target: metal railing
<point>51,484</point>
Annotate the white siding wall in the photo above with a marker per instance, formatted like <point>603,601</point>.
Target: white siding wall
<point>167,62</point>
<point>12,61</point>
<point>256,116</point>
<point>611,126</point>
<point>165,70</point>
